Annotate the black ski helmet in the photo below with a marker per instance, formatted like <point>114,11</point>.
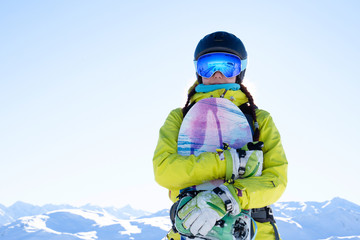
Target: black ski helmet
<point>221,42</point>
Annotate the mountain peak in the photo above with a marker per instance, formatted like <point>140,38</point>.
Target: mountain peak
<point>22,204</point>
<point>127,207</point>
<point>341,203</point>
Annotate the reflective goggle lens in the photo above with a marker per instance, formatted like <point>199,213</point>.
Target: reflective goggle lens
<point>228,64</point>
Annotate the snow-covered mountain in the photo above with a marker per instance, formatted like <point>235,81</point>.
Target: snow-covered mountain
<point>75,224</point>
<point>21,209</point>
<point>332,220</point>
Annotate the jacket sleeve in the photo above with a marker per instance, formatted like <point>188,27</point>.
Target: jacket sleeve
<point>176,172</point>
<point>266,189</point>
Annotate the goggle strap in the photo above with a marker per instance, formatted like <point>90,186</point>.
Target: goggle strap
<point>243,64</point>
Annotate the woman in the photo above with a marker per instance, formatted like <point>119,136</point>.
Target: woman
<point>220,60</point>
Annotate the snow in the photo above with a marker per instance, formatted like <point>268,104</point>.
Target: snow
<point>304,206</point>
<point>129,228</point>
<point>291,209</point>
<point>34,224</point>
<point>101,219</point>
<point>289,220</point>
<point>332,220</point>
<point>326,204</point>
<point>86,235</point>
<point>160,222</point>
<point>315,209</point>
<point>339,238</point>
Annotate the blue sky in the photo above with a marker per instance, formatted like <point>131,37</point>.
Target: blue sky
<point>86,85</point>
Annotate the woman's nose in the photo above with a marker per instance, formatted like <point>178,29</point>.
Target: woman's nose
<point>218,74</point>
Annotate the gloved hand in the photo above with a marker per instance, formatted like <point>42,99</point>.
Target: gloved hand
<point>248,160</point>
<point>199,215</point>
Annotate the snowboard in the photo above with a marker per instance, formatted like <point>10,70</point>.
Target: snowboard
<point>209,124</point>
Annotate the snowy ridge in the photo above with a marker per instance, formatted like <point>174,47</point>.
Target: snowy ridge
<point>331,220</point>
<point>342,238</point>
<point>82,224</point>
<point>21,209</point>
<point>334,219</point>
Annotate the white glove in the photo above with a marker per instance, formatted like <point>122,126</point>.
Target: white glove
<point>200,214</point>
<point>248,160</point>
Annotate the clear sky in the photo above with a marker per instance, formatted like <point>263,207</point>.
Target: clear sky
<point>86,85</point>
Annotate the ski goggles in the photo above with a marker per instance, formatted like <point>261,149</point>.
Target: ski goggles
<point>228,64</point>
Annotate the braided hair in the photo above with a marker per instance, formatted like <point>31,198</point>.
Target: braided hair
<point>187,106</point>
<point>253,108</point>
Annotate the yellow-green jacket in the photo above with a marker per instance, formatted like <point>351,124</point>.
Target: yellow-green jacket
<point>176,172</point>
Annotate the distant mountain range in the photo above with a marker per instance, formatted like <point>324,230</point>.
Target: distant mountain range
<point>21,209</point>
<point>331,220</point>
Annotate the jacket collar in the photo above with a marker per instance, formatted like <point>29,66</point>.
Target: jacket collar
<point>237,97</point>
